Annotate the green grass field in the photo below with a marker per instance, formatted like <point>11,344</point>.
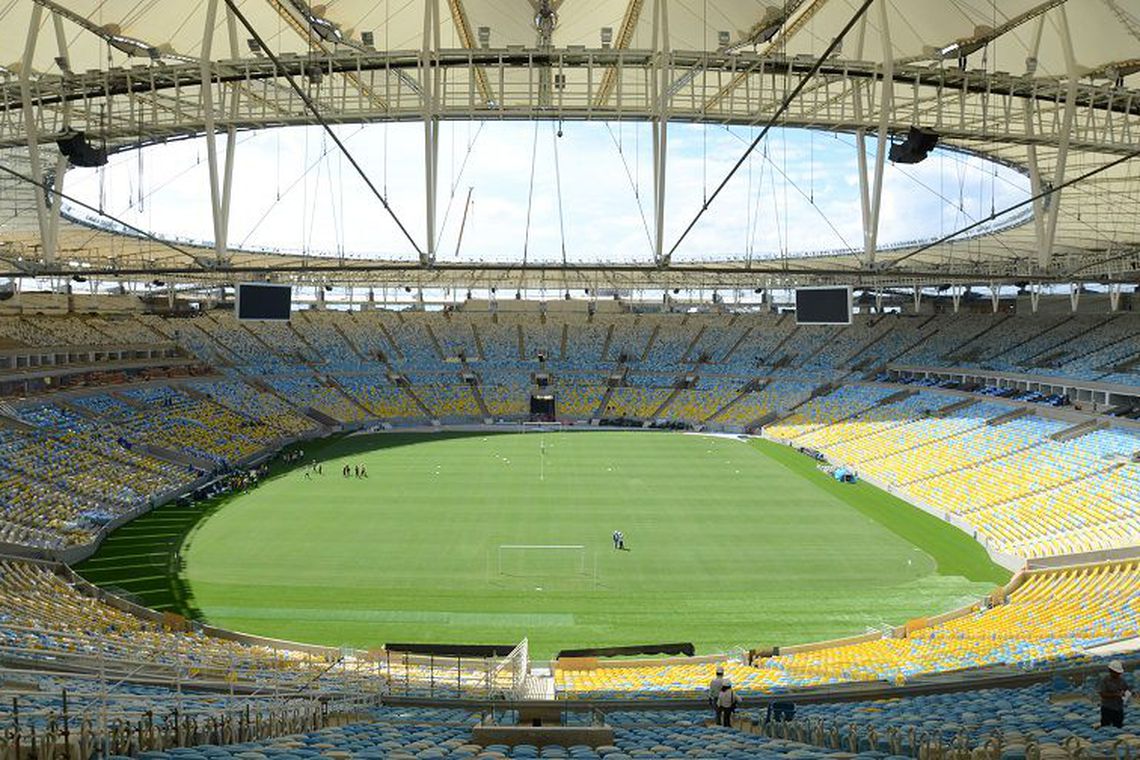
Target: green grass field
<point>730,544</point>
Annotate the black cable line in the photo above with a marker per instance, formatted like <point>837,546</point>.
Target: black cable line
<point>1014,207</point>
<point>312,106</point>
<point>107,215</point>
<point>775,117</point>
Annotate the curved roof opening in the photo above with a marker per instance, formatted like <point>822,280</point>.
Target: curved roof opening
<point>546,191</point>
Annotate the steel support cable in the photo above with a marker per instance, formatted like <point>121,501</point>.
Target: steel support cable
<point>558,189</point>
<point>312,106</point>
<point>775,117</point>
<point>530,193</point>
<point>1032,199</point>
<point>106,215</point>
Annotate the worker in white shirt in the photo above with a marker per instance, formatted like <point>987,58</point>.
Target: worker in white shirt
<point>714,691</point>
<point>726,704</point>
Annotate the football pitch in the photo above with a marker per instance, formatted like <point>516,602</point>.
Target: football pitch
<point>728,543</point>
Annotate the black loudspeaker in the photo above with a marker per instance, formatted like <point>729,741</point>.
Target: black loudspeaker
<point>916,147</point>
<point>80,152</point>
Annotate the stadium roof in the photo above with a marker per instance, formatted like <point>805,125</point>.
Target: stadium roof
<point>1052,88</point>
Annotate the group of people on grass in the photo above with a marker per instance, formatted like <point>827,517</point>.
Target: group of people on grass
<point>357,471</point>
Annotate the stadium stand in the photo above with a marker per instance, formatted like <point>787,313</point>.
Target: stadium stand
<point>1053,616</point>
<point>1030,484</point>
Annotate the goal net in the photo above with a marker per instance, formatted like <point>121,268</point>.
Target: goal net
<point>553,565</point>
<point>541,427</point>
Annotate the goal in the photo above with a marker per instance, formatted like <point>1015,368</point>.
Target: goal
<point>541,427</point>
<point>545,564</point>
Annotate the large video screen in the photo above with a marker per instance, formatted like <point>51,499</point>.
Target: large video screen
<point>823,306</point>
<point>261,301</point>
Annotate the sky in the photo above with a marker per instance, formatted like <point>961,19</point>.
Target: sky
<point>586,195</point>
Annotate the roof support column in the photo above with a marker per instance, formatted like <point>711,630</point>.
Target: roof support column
<point>1114,296</point>
<point>660,126</point>
<point>52,241</point>
<point>231,130</point>
<point>429,81</point>
<point>1029,106</point>
<point>871,195</point>
<point>31,130</point>
<point>219,196</point>
<point>1053,202</point>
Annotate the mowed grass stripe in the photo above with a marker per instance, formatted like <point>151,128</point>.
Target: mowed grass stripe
<point>730,544</point>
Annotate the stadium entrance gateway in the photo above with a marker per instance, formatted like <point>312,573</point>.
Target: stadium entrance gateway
<point>542,407</point>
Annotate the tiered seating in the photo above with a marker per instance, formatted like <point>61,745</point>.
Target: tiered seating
<point>1049,339</point>
<point>326,399</point>
<point>974,447</point>
<point>767,334</point>
<point>1051,716</point>
<point>696,406</point>
<point>500,342</point>
<point>124,330</point>
<point>827,409</point>
<point>113,468</point>
<point>870,452</point>
<point>506,394</point>
<point>254,356</point>
<point>1052,617</point>
<point>542,338</point>
<point>285,341</point>
<point>826,347</point>
<point>584,344</point>
<point>777,396</point>
<point>199,427</point>
<point>952,333</point>
<point>37,513</point>
<point>380,397</point>
<point>414,343</point>
<point>629,338</point>
<point>66,331</point>
<point>365,330</point>
<point>1112,343</point>
<point>449,401</point>
<point>635,402</point>
<point>578,401</point>
<point>875,419</point>
<point>901,333</point>
<point>717,339</point>
<point>319,330</point>
<point>259,405</point>
<point>672,340</point>
<point>45,619</point>
<point>455,337</point>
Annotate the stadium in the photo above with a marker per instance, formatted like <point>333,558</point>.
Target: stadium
<point>484,378</point>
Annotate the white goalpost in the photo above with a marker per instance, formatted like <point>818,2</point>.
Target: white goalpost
<point>546,563</point>
<point>541,427</point>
